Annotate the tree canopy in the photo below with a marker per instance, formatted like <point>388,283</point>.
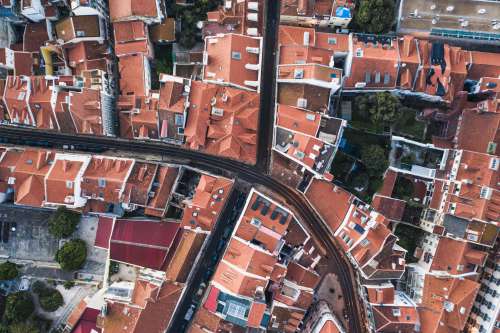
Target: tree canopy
<point>382,107</point>
<point>18,307</point>
<point>72,255</point>
<point>25,327</point>
<point>374,159</point>
<point>8,271</point>
<point>50,299</point>
<point>63,222</point>
<point>374,16</point>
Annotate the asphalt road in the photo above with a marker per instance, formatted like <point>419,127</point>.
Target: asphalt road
<point>267,85</point>
<point>216,165</point>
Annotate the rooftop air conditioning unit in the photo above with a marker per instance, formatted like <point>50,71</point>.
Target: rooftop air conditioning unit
<point>217,112</point>
<point>302,103</point>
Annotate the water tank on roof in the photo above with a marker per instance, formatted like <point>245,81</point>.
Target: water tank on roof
<point>252,32</point>
<point>254,17</point>
<point>253,6</point>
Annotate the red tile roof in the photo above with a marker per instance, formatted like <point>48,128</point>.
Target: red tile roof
<point>30,171</point>
<point>105,178</point>
<point>298,120</point>
<point>446,303</point>
<point>227,59</point>
<point>130,38</point>
<point>122,10</point>
<point>376,63</point>
<point>103,234</point>
<point>133,75</point>
<point>85,110</point>
<point>331,202</point>
<point>223,121</point>
<point>142,243</point>
<point>208,200</point>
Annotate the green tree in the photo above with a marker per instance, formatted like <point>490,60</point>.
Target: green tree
<point>63,222</point>
<point>71,256</point>
<point>38,287</point>
<point>374,16</point>
<point>374,159</point>
<point>51,300</point>
<point>25,327</point>
<point>382,107</point>
<point>18,307</point>
<point>69,284</point>
<point>8,271</point>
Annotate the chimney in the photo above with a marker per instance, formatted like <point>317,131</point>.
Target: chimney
<point>407,45</point>
<point>142,173</point>
<point>118,165</point>
<point>92,105</point>
<point>40,159</point>
<point>107,164</point>
<point>66,165</point>
<point>302,7</point>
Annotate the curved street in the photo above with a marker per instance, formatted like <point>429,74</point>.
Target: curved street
<point>215,165</point>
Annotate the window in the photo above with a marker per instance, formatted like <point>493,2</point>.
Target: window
<point>69,184</point>
<point>387,78</point>
<point>236,55</point>
<point>377,77</point>
<point>255,222</point>
<point>368,76</point>
<point>332,40</point>
<point>364,242</point>
<point>179,120</point>
<point>101,182</point>
<point>396,312</point>
<point>236,310</point>
<point>494,162</point>
<point>298,73</point>
<point>485,193</point>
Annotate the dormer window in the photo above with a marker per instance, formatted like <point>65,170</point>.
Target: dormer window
<point>332,40</point>
<point>485,193</point>
<point>494,162</point>
<point>236,55</point>
<point>69,184</point>
<point>101,182</point>
<point>359,52</point>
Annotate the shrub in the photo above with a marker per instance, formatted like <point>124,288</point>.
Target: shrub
<point>71,256</point>
<point>375,16</point>
<point>374,159</point>
<point>38,287</point>
<point>25,327</point>
<point>63,222</point>
<point>8,271</point>
<point>69,284</point>
<point>51,300</point>
<point>18,307</point>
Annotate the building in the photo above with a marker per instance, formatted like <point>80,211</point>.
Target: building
<point>309,139</point>
<point>322,320</point>
<point>74,29</point>
<point>241,17</point>
<point>391,310</point>
<point>149,11</point>
<point>469,20</point>
<point>336,13</point>
<point>234,60</point>
<point>260,287</point>
<point>135,75</point>
<point>359,230</point>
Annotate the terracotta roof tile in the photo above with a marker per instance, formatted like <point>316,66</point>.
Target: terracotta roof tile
<point>331,202</point>
<point>227,59</point>
<point>142,243</point>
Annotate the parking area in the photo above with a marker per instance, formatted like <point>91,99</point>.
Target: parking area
<point>25,237</point>
<point>24,234</point>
